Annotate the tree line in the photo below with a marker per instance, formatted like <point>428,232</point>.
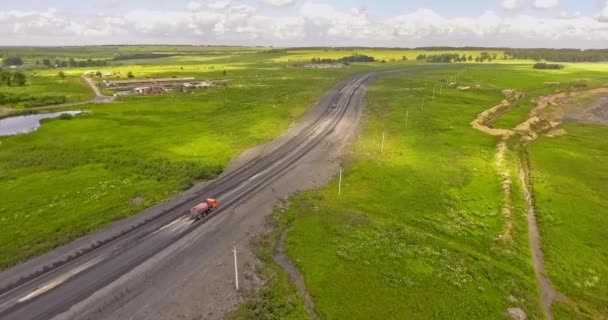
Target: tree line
<point>559,55</point>
<point>349,59</point>
<point>72,63</point>
<point>142,56</point>
<point>543,65</point>
<point>455,57</point>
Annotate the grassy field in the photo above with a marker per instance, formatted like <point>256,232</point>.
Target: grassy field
<point>77,175</point>
<point>572,204</point>
<point>414,233</point>
<point>378,53</point>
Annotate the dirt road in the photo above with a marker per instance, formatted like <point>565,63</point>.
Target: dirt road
<point>161,265</point>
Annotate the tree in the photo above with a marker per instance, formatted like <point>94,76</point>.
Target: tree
<point>13,61</point>
<point>5,78</point>
<point>224,73</point>
<point>46,63</point>
<point>61,75</point>
<point>130,75</point>
<point>404,58</point>
<point>470,58</point>
<point>99,74</point>
<point>19,79</point>
<point>37,62</point>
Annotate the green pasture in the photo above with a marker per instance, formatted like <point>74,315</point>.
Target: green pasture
<point>414,233</point>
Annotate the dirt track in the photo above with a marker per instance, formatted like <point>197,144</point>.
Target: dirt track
<point>158,265</point>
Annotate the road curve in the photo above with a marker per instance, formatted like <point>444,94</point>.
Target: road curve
<point>99,96</point>
<point>91,271</point>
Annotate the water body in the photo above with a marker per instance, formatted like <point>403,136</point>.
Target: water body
<point>27,123</point>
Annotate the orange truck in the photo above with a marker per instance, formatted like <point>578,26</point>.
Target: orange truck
<point>203,209</point>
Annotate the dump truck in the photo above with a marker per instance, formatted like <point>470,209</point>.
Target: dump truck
<point>203,209</point>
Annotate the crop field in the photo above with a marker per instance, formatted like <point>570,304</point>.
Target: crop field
<point>416,232</point>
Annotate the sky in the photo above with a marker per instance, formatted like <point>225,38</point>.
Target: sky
<point>288,23</point>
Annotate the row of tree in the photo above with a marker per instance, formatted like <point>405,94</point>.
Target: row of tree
<point>455,57</point>
<point>12,78</point>
<point>349,59</point>
<point>142,56</point>
<point>543,65</point>
<point>72,63</point>
<point>559,55</point>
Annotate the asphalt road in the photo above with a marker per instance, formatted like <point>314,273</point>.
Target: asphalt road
<point>97,276</point>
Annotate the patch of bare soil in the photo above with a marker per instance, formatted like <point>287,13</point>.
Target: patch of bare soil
<point>294,276</point>
<point>516,314</point>
<point>595,113</point>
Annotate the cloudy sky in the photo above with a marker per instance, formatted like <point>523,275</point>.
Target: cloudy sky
<point>395,23</point>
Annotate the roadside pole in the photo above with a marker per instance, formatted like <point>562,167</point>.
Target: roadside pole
<point>382,147</point>
<point>407,113</point>
<point>236,271</point>
<point>340,182</point>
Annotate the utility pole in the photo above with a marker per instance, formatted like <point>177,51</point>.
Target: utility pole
<point>407,113</point>
<point>382,147</point>
<point>236,271</point>
<point>340,182</point>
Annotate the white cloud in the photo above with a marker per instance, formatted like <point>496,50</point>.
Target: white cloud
<point>512,4</point>
<point>545,4</point>
<point>279,3</point>
<point>309,24</point>
<point>570,15</point>
<point>193,5</point>
<point>603,15</point>
<point>219,4</point>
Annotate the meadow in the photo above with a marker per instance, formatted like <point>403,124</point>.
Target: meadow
<point>80,174</point>
<point>75,175</point>
<point>415,232</point>
<point>572,201</point>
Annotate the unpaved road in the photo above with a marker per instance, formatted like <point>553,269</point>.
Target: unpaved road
<point>161,265</point>
<point>99,96</point>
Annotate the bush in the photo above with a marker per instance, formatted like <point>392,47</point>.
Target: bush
<point>13,61</point>
<point>65,116</point>
<point>542,65</point>
<point>45,101</point>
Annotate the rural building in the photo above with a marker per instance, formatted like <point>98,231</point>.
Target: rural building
<point>156,86</point>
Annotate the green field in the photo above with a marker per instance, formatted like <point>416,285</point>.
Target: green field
<point>572,204</point>
<point>414,233</point>
<point>78,175</point>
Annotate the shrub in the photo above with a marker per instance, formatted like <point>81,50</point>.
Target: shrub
<point>543,65</point>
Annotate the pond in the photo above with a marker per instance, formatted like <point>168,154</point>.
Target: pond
<point>27,123</point>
